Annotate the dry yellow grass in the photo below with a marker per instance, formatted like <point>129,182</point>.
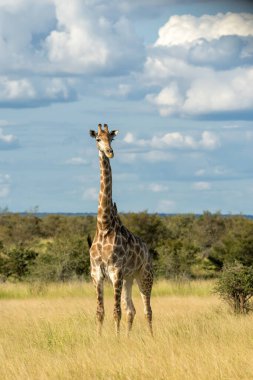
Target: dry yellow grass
<point>52,335</point>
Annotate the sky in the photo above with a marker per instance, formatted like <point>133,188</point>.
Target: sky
<point>174,77</point>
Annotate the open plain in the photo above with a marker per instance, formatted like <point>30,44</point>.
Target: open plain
<point>49,332</point>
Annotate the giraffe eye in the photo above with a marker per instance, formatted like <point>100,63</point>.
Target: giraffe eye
<point>98,140</point>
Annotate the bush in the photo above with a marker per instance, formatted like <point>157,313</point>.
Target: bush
<point>64,259</point>
<point>17,262</point>
<point>235,286</point>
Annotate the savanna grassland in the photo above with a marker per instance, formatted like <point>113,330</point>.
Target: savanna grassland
<point>48,331</point>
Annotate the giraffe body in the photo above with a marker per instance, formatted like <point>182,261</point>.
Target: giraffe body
<point>116,252</point>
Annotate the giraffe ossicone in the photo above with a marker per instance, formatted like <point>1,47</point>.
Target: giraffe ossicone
<point>115,251</point>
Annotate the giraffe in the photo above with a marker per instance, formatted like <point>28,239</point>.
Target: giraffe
<point>115,251</point>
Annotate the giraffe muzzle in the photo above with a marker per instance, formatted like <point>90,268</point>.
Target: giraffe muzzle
<point>109,153</point>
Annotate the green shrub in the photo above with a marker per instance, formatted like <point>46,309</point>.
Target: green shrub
<point>16,263</point>
<point>64,259</point>
<point>235,286</point>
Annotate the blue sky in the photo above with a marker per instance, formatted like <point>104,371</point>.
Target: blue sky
<point>174,77</point>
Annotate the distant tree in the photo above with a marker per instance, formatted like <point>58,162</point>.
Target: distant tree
<point>235,245</point>
<point>17,263</point>
<point>176,258</point>
<point>235,286</point>
<point>64,259</point>
<point>209,229</point>
<point>149,227</point>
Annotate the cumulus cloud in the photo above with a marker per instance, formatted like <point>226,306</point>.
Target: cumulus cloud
<point>177,140</point>
<point>85,41</point>
<point>24,92</point>
<point>59,39</point>
<point>77,37</point>
<point>187,28</point>
<point>8,141</point>
<point>229,91</point>
<point>202,65</point>
<point>210,92</point>
<point>197,66</point>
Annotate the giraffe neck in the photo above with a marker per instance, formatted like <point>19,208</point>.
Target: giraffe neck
<point>104,217</point>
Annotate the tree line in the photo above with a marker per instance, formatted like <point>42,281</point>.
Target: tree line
<point>54,247</point>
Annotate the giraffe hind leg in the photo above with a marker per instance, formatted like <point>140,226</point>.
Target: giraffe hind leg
<point>145,283</point>
<point>128,303</point>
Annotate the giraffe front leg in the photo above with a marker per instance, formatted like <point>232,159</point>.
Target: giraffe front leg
<point>100,306</point>
<point>98,280</point>
<point>117,281</point>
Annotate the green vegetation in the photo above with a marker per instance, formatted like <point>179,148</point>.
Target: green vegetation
<point>54,247</point>
<point>47,323</point>
<point>235,286</point>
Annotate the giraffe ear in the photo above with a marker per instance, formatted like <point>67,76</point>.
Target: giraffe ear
<point>93,134</point>
<point>114,133</point>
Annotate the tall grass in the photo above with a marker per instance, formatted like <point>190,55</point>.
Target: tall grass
<point>52,335</point>
<point>20,291</point>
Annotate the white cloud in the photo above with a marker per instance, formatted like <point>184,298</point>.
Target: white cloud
<point>214,172</point>
<point>169,100</point>
<point>209,140</point>
<point>202,65</point>
<point>76,37</point>
<point>62,39</point>
<point>6,138</point>
<point>7,141</point>
<point>54,55</point>
<point>220,92</point>
<point>129,138</point>
<point>176,140</point>
<point>202,186</point>
<point>187,28</point>
<point>34,91</point>
<point>15,89</point>
<point>73,46</point>
<point>207,92</point>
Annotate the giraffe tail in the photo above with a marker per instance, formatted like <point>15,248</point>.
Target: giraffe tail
<point>154,254</point>
<point>89,241</point>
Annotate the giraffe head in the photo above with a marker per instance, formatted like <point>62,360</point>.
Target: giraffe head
<point>104,138</point>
